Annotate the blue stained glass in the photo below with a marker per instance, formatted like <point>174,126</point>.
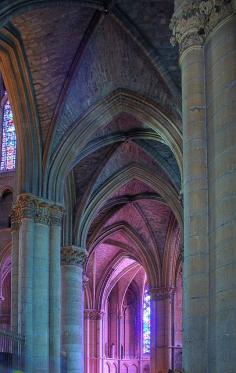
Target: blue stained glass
<point>146,322</point>
<point>8,150</point>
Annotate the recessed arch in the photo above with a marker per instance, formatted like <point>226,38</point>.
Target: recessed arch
<point>5,188</point>
<point>143,255</point>
<point>13,67</point>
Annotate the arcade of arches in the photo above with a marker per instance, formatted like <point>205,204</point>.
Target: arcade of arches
<point>118,186</point>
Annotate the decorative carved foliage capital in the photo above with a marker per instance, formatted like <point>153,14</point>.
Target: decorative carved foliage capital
<point>26,206</point>
<point>196,20</point>
<point>72,255</point>
<point>56,215</point>
<point>42,214</point>
<point>93,314</point>
<point>32,207</point>
<point>161,293</point>
<point>15,218</point>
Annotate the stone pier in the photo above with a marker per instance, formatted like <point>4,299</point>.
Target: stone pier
<point>72,262</point>
<point>206,34</point>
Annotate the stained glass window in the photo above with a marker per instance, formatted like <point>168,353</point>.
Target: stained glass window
<point>146,321</point>
<point>8,148</point>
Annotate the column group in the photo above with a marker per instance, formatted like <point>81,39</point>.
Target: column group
<point>206,34</point>
<point>36,293</point>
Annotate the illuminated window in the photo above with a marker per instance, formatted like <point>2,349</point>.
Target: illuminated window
<point>146,322</point>
<point>8,137</point>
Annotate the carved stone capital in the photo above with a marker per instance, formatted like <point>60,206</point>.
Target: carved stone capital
<point>32,207</point>
<point>56,215</point>
<point>26,206</point>
<point>42,213</point>
<point>93,314</point>
<point>161,293</point>
<point>73,255</point>
<point>197,18</point>
<point>15,218</point>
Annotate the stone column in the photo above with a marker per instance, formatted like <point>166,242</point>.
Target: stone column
<point>14,270</point>
<point>72,262</point>
<point>95,319</point>
<point>33,271</point>
<point>186,27</point>
<point>220,67</point>
<point>205,32</point>
<point>161,329</point>
<point>41,289</point>
<point>25,208</point>
<point>55,289</point>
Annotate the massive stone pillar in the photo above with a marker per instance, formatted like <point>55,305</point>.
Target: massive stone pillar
<point>195,190</point>
<point>72,262</point>
<point>220,67</point>
<point>161,329</point>
<point>32,263</point>
<point>206,34</point>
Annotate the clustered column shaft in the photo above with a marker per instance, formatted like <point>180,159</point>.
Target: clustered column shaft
<point>72,262</point>
<point>94,335</point>
<point>33,283</point>
<point>206,34</point>
<point>161,333</point>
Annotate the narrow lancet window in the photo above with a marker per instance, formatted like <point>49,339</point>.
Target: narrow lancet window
<point>8,138</point>
<point>146,321</point>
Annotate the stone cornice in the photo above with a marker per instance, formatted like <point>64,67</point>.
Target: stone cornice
<point>196,19</point>
<point>161,293</point>
<point>37,209</point>
<point>73,255</point>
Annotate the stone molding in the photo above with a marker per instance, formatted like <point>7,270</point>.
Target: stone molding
<point>39,210</point>
<point>73,255</point>
<point>161,293</point>
<point>93,315</point>
<point>196,19</point>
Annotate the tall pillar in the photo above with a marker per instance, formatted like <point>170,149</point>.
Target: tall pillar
<point>72,262</point>
<point>161,329</point>
<point>55,290</point>
<point>31,277</point>
<point>206,34</point>
<point>25,209</point>
<point>95,340</point>
<point>41,290</point>
<point>220,56</point>
<point>14,271</point>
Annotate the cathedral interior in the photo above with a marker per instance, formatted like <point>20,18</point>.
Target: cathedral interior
<point>117,186</point>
